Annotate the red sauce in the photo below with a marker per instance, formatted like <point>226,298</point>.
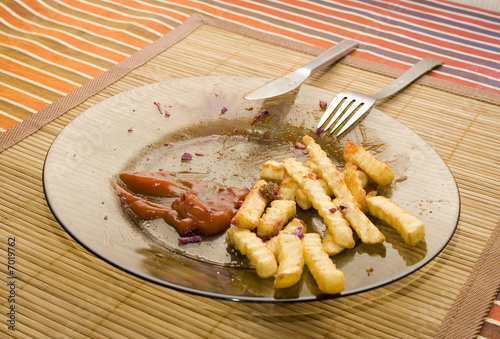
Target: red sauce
<point>200,207</point>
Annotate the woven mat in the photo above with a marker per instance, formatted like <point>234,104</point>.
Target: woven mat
<point>63,291</point>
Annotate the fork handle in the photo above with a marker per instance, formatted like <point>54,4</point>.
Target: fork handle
<point>335,53</point>
<point>415,72</point>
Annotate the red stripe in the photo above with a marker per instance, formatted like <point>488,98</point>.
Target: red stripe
<point>439,12</point>
<point>390,45</point>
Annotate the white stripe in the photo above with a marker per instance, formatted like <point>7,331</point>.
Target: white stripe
<point>56,52</point>
<point>93,22</point>
<point>493,321</point>
<point>58,40</point>
<point>41,71</point>
<point>375,37</point>
<point>492,21</point>
<point>496,302</point>
<point>26,93</point>
<point>135,16</point>
<point>1,129</point>
<point>165,8</point>
<point>47,61</point>
<point>407,30</point>
<point>10,116</point>
<point>41,15</point>
<point>12,75</point>
<point>442,31</point>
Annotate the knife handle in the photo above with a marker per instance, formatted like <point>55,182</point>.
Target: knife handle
<point>333,54</point>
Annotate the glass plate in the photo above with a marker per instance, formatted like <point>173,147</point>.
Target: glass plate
<point>208,118</point>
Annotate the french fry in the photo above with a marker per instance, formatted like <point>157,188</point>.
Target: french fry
<point>366,230</point>
<point>329,171</point>
<point>290,190</point>
<point>275,217</point>
<point>290,228</point>
<point>355,185</point>
<point>330,280</point>
<point>329,245</point>
<point>377,170</point>
<point>412,229</point>
<point>248,215</point>
<point>272,170</point>
<point>250,245</point>
<point>290,260</point>
<point>333,219</point>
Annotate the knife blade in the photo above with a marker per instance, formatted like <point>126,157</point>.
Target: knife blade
<point>293,80</point>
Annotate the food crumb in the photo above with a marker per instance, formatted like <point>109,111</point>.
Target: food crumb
<point>223,110</point>
<point>186,156</point>
<point>131,129</point>
<point>105,217</point>
<point>369,270</point>
<point>322,104</point>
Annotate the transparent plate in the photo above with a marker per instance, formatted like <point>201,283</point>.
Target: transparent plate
<point>209,118</point>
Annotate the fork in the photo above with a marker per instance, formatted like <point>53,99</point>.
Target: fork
<point>349,106</point>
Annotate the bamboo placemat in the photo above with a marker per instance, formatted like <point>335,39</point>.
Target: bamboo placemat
<point>61,290</point>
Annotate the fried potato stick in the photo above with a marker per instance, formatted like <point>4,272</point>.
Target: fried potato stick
<point>291,228</point>
<point>366,230</point>
<point>290,260</point>
<point>333,219</point>
<point>272,170</point>
<point>250,245</point>
<point>355,185</point>
<point>409,226</point>
<point>275,217</point>
<point>248,215</point>
<point>329,171</point>
<point>377,170</point>
<point>330,280</point>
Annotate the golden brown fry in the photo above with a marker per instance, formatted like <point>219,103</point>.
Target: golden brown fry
<point>333,219</point>
<point>355,185</point>
<point>272,170</point>
<point>248,215</point>
<point>254,249</point>
<point>377,170</point>
<point>329,245</point>
<point>328,171</point>
<point>409,226</point>
<point>290,260</point>
<point>330,280</point>
<point>290,228</point>
<point>290,190</point>
<point>275,217</point>
<point>366,230</point>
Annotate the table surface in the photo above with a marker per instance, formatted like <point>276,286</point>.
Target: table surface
<point>61,57</point>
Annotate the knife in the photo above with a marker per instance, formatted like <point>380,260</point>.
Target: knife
<point>293,80</point>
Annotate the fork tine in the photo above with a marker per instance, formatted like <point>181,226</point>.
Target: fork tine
<point>331,107</point>
<point>355,117</point>
<point>340,113</point>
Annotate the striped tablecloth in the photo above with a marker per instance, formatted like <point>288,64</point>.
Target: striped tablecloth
<point>50,48</point>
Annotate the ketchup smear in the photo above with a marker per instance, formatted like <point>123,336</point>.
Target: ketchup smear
<point>200,207</point>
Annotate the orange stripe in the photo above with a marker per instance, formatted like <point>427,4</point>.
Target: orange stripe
<point>382,60</point>
<point>58,59</point>
<point>81,44</point>
<point>156,10</point>
<point>6,122</point>
<point>85,26</point>
<point>24,99</point>
<point>39,77</point>
<point>88,8</point>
